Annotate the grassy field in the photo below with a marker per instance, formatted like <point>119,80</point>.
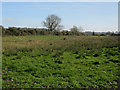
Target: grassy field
<point>60,62</point>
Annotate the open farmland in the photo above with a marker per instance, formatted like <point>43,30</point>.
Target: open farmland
<point>60,62</point>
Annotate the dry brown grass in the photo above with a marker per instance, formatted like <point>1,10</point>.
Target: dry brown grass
<point>57,42</point>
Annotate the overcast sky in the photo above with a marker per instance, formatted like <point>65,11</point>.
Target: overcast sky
<point>94,16</point>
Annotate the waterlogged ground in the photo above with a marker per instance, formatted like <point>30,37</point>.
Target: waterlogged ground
<point>61,68</point>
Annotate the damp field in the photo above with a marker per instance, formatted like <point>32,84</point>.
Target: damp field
<point>60,62</point>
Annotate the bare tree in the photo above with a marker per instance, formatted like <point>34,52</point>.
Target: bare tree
<point>52,22</point>
<point>80,29</point>
<point>76,29</point>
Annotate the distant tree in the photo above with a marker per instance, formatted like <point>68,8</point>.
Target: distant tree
<point>76,30</point>
<point>93,33</point>
<point>52,22</point>
<point>80,29</point>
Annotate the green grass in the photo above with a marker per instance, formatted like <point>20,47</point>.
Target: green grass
<point>51,62</point>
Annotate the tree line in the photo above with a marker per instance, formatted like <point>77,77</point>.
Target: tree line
<point>14,31</point>
<point>52,26</point>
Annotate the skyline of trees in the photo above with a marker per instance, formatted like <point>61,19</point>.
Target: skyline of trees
<point>52,26</point>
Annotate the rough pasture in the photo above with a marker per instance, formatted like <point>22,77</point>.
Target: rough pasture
<point>60,62</point>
